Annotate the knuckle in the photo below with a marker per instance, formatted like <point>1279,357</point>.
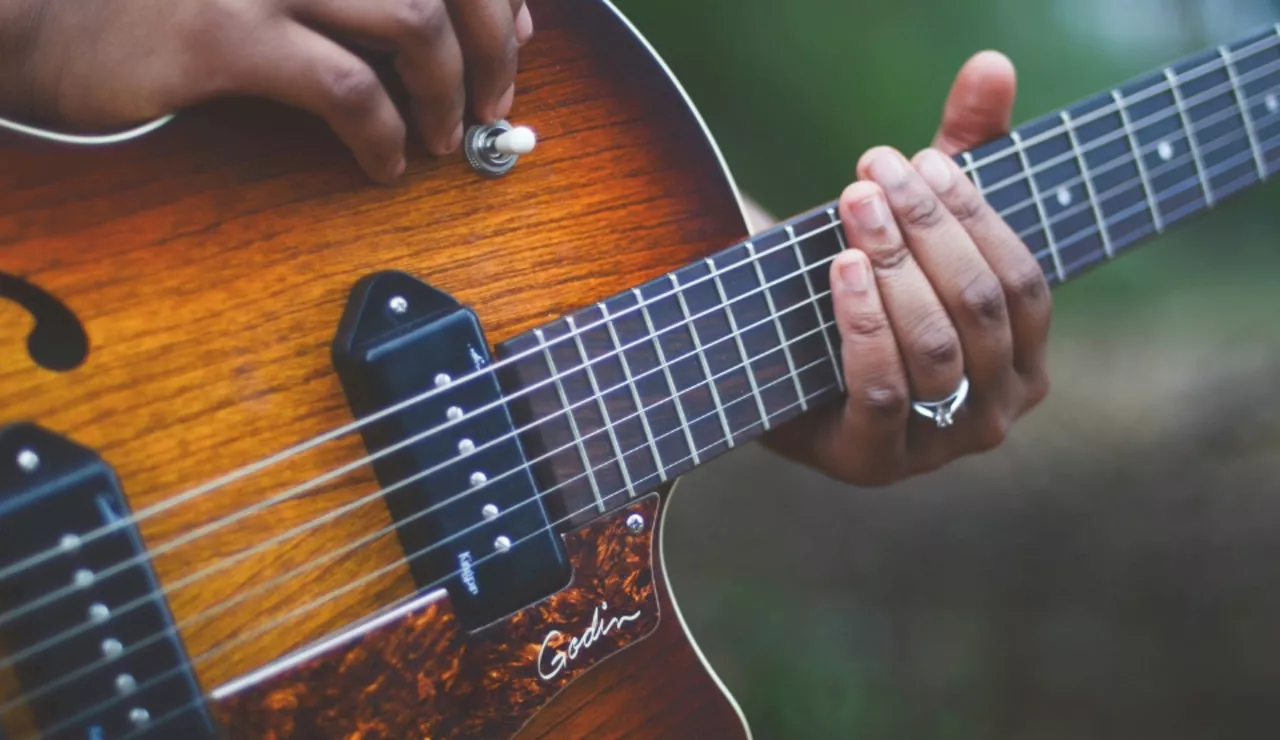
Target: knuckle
<point>351,88</point>
<point>991,433</point>
<point>983,299</point>
<point>889,257</point>
<point>424,19</point>
<point>969,207</point>
<point>884,400</point>
<point>923,211</point>
<point>866,324</point>
<point>1038,386</point>
<point>938,344</point>
<point>1029,285</point>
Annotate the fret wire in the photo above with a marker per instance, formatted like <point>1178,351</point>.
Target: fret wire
<point>604,410</point>
<point>573,422</point>
<point>1223,165</point>
<point>635,392</point>
<point>702,359</point>
<point>839,229</point>
<point>1201,71</point>
<point>1152,203</point>
<point>777,325</point>
<point>1103,231</point>
<point>742,349</point>
<point>804,269</point>
<point>973,170</point>
<point>236,476</point>
<point>666,370</point>
<point>1185,116</point>
<point>1044,217</point>
<point>1242,102</point>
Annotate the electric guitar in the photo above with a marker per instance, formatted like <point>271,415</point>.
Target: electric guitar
<point>289,455</point>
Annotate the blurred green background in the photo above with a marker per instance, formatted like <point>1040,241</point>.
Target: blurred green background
<point>1113,570</point>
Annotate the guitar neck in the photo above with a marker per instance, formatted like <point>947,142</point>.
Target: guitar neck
<point>643,387</point>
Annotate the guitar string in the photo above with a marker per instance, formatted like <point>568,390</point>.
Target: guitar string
<point>306,608</point>
<point>317,603</point>
<point>1218,63</point>
<point>351,506</point>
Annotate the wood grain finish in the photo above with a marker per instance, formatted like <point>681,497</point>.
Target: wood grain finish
<point>210,263</point>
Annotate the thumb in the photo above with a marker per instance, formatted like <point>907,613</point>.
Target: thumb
<point>980,104</point>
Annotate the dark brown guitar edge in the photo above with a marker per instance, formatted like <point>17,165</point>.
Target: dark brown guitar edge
<point>659,687</point>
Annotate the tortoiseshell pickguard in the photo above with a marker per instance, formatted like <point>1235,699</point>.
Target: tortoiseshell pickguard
<point>420,677</point>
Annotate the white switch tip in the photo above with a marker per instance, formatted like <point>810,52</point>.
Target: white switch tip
<point>518,141</point>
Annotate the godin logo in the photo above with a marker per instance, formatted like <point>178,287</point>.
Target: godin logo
<point>468,575</point>
<point>550,665</point>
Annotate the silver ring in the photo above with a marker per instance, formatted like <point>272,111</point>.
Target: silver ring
<point>943,412</point>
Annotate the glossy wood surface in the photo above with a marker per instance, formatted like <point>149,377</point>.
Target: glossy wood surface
<point>210,263</point>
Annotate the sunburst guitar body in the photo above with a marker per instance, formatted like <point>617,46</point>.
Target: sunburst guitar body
<point>285,454</point>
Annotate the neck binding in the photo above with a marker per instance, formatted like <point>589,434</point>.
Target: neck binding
<point>653,382</point>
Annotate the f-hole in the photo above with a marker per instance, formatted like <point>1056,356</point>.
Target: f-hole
<point>58,342</point>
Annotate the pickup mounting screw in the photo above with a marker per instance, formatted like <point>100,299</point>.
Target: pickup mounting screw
<point>28,460</point>
<point>635,524</point>
<point>111,647</point>
<point>454,413</point>
<point>442,380</point>
<point>502,544</point>
<point>139,716</point>
<point>490,512</point>
<point>398,305</point>
<point>466,447</point>
<point>99,612</point>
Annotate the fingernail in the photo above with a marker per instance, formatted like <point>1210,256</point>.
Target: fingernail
<point>871,213</point>
<point>398,169</point>
<point>888,170</point>
<point>935,170</point>
<point>855,273</point>
<point>524,25</point>
<point>504,103</point>
<point>455,139</point>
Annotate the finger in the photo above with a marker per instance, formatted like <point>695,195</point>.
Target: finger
<point>862,440</point>
<point>524,22</point>
<point>926,196</point>
<point>1010,268</point>
<point>980,104</point>
<point>429,58</point>
<point>924,332</point>
<point>299,67</point>
<point>486,30</point>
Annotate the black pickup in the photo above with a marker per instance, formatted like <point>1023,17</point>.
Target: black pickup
<point>86,628</point>
<point>466,508</point>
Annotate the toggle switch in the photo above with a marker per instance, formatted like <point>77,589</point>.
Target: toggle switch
<point>494,149</point>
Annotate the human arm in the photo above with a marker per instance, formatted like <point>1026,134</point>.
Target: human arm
<point>92,65</point>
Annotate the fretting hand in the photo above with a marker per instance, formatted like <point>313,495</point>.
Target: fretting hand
<point>934,288</point>
<point>90,65</point>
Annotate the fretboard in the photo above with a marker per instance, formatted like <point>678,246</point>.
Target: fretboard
<point>644,386</point>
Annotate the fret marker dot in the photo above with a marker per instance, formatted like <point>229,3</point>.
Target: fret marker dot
<point>126,684</point>
<point>478,479</point>
<point>442,380</point>
<point>502,543</point>
<point>69,542</point>
<point>84,578</point>
<point>1165,151</point>
<point>111,647</point>
<point>99,613</point>
<point>466,447</point>
<point>490,512</point>
<point>454,413</point>
<point>1064,197</point>
<point>139,716</point>
<point>1273,103</point>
